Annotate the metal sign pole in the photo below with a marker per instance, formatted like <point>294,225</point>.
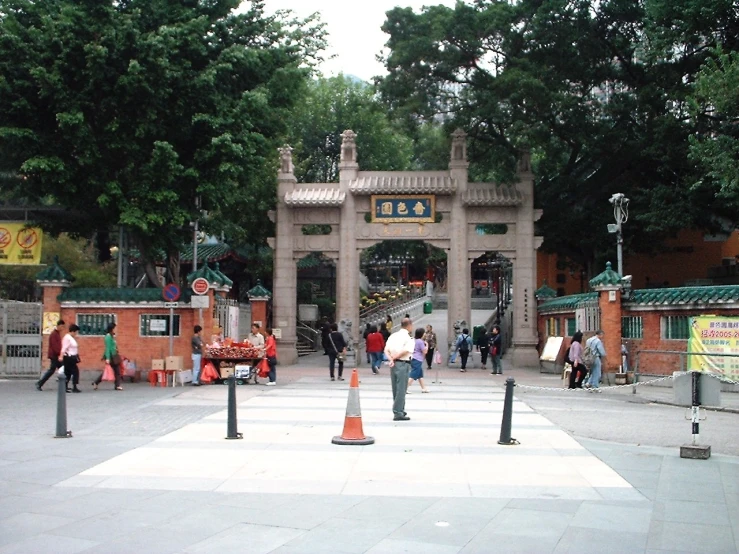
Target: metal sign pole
<point>171,331</point>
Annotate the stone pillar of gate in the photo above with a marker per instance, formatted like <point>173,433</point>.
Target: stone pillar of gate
<point>285,285</point>
<point>347,270</point>
<point>523,349</point>
<point>458,262</point>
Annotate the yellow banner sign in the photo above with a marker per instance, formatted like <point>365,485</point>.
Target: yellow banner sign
<point>20,245</point>
<point>714,335</point>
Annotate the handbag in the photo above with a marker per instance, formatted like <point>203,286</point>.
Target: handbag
<point>339,355</point>
<point>437,357</point>
<point>108,373</point>
<point>263,368</point>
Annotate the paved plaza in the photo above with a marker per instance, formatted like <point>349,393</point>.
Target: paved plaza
<point>149,470</point>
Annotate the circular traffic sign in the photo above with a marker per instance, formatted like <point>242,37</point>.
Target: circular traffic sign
<point>27,238</point>
<point>171,293</point>
<point>200,285</point>
<point>5,237</point>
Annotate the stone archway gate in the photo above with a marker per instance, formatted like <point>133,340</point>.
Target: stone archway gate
<point>402,205</point>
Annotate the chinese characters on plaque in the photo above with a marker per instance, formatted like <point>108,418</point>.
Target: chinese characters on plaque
<point>403,209</point>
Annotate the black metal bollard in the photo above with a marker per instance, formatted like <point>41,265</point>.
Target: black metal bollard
<point>61,409</point>
<point>505,426</point>
<point>695,402</point>
<point>694,450</point>
<point>232,432</point>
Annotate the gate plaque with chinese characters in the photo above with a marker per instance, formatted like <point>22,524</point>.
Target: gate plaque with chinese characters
<point>417,208</point>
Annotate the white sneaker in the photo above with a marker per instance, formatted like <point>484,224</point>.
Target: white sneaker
<point>271,384</point>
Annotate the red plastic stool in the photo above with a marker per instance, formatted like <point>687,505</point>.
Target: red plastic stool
<point>158,376</point>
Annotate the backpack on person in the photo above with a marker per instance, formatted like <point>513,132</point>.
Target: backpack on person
<point>567,356</point>
<point>589,354</point>
<point>463,344</point>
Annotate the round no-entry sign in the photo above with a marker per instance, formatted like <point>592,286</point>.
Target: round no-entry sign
<point>171,293</point>
<point>200,285</point>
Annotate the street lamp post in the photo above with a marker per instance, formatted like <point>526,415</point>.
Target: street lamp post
<point>621,214</point>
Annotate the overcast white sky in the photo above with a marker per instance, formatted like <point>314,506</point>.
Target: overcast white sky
<point>354,29</point>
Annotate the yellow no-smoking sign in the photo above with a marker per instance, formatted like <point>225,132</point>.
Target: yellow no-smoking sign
<point>20,245</point>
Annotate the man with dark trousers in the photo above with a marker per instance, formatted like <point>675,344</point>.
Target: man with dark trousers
<point>399,349</point>
<point>55,350</point>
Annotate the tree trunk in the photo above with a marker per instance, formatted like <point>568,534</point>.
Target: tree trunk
<point>173,266</point>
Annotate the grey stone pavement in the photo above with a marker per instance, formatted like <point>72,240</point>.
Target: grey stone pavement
<point>681,506</point>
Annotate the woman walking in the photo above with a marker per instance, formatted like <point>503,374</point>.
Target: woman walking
<point>430,338</point>
<point>69,357</point>
<point>336,351</point>
<point>420,349</point>
<point>577,375</point>
<point>111,357</point>
<point>375,346</point>
<point>270,350</point>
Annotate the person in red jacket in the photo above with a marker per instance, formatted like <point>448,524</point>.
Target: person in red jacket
<point>375,344</point>
<point>55,350</point>
<point>270,351</point>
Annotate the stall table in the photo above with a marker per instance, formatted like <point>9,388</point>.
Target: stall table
<point>240,380</point>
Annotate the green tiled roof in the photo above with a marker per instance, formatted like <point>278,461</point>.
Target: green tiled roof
<point>212,276</point>
<point>259,291</point>
<point>545,291</point>
<point>567,302</point>
<point>608,278</point>
<point>210,253</point>
<point>207,253</point>
<point>225,281</point>
<point>686,295</point>
<point>117,295</point>
<point>54,273</point>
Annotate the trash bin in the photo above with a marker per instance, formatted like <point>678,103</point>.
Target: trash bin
<point>427,307</point>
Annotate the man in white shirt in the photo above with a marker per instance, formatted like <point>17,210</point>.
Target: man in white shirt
<point>399,349</point>
<point>255,337</point>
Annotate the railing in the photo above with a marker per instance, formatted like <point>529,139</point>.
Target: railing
<point>381,308</point>
<point>307,335</point>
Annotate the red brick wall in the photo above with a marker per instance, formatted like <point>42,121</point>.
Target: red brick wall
<point>130,344</point>
<point>660,363</point>
<point>649,362</point>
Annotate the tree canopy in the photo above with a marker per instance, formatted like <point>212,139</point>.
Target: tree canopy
<point>128,111</point>
<point>598,90</point>
<point>332,105</point>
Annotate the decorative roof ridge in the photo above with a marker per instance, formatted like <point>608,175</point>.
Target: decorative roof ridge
<point>258,291</point>
<point>567,302</point>
<point>116,295</point>
<point>545,291</point>
<point>709,294</point>
<point>224,280</point>
<point>607,278</point>
<point>54,273</point>
<point>205,272</point>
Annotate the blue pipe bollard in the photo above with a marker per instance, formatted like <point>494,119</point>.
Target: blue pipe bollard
<point>61,409</point>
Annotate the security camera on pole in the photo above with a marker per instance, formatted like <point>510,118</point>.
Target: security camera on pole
<point>621,214</point>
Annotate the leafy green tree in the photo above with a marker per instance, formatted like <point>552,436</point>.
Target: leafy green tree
<point>332,105</point>
<point>76,255</point>
<point>596,89</point>
<point>128,111</point>
<point>716,148</point>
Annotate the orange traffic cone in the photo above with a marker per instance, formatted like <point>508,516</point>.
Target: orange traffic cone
<point>353,432</point>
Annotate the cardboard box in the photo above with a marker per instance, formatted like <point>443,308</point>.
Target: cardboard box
<point>157,364</point>
<point>184,376</point>
<point>173,362</point>
<point>226,372</point>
